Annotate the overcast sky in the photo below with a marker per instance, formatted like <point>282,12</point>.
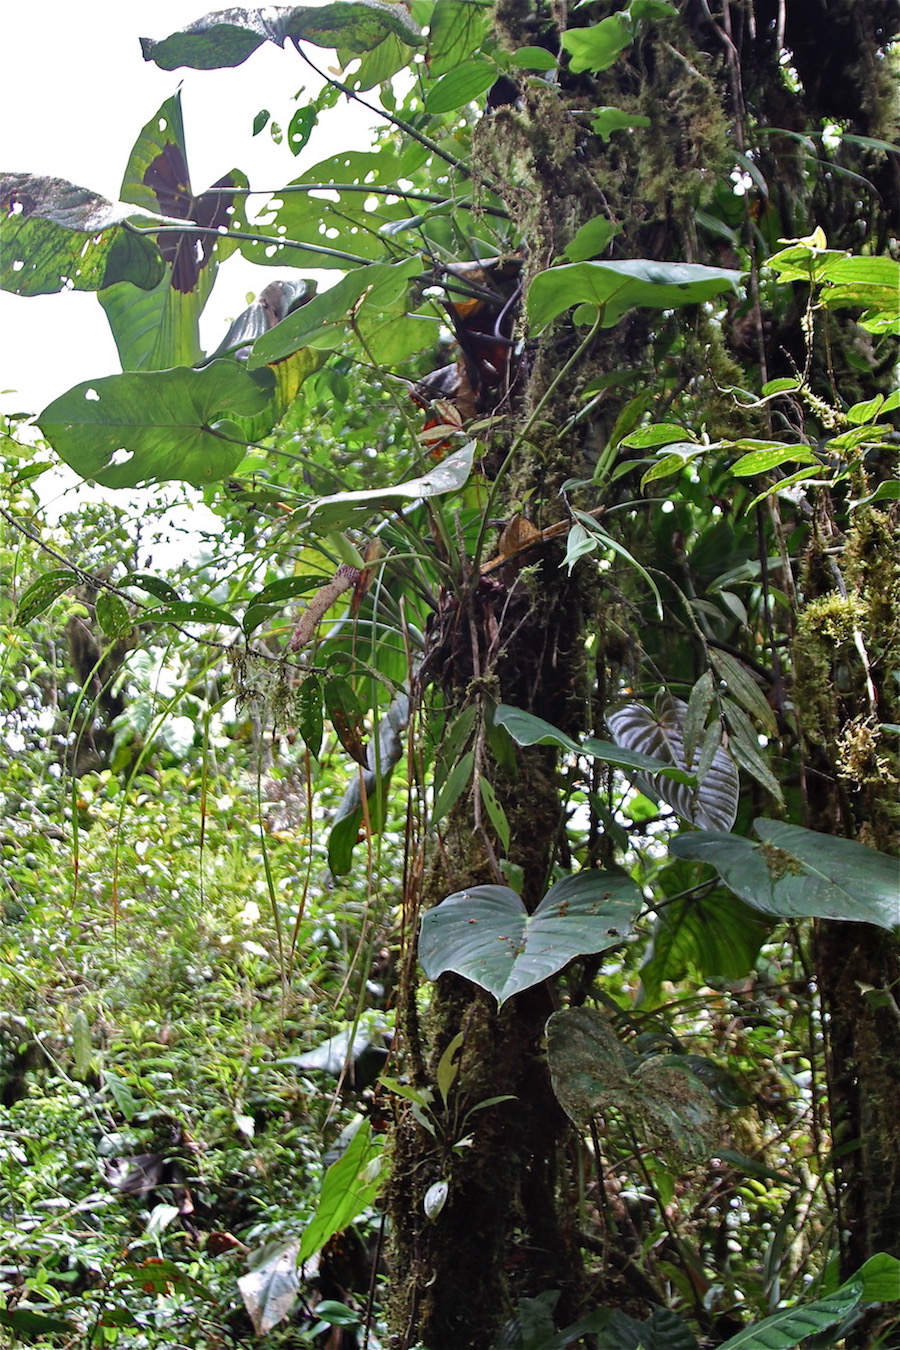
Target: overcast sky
<point>75,92</point>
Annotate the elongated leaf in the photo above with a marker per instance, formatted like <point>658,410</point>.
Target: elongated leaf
<point>455,31</point>
<point>148,426</point>
<point>345,508</point>
<point>616,287</point>
<point>270,1290</point>
<point>486,935</point>
<point>526,729</point>
<point>460,86</point>
<point>228,37</point>
<point>41,593</point>
<point>788,1327</point>
<point>713,804</point>
<point>57,236</point>
<point>350,1186</point>
<point>797,873</point>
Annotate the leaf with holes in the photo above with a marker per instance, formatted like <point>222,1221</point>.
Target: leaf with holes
<point>227,37</point>
<point>157,426</point>
<point>486,934</point>
<point>796,873</point>
<point>41,593</point>
<point>57,236</point>
<point>713,803</point>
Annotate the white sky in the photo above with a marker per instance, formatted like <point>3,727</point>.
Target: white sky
<point>74,93</point>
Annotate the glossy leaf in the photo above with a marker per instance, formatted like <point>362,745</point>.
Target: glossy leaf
<point>616,287</point>
<point>57,236</point>
<point>486,935</point>
<point>345,508</point>
<point>798,873</point>
<point>713,803</point>
<point>228,37</point>
<point>526,729</point>
<point>789,1327</point>
<point>162,425</point>
<point>350,1185</point>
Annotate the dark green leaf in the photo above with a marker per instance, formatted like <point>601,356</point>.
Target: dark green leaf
<point>57,236</point>
<point>659,734</point>
<point>41,593</point>
<point>113,615</point>
<point>714,934</point>
<point>145,581</point>
<point>26,1322</point>
<point>616,287</point>
<point>310,721</point>
<point>192,611</point>
<point>456,782</point>
<point>790,1326</point>
<point>346,716</point>
<point>228,37</point>
<point>495,812</point>
<point>592,1071</point>
<point>797,873</point>
<point>161,425</point>
<point>486,935</point>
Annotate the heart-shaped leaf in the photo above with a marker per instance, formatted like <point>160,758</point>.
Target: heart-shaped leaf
<point>486,934</point>
<point>797,873</point>
<point>57,236</point>
<point>158,425</point>
<point>616,287</point>
<point>593,1072</point>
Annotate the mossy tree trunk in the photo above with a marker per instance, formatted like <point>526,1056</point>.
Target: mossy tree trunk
<point>708,81</point>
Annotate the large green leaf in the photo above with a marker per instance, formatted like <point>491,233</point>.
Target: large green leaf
<point>347,508</point>
<point>797,873</point>
<point>486,934</point>
<point>350,1185</point>
<point>715,934</point>
<point>270,1288</point>
<point>593,1072</point>
<point>153,426</point>
<point>455,32</point>
<point>616,287</point>
<point>57,236</point>
<point>227,37</point>
<point>790,1326</point>
<point>324,321</point>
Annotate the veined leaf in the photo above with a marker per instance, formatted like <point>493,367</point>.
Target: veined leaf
<point>460,86</point>
<point>661,735</point>
<point>57,236</point>
<point>486,934</point>
<point>790,1326</point>
<point>331,513</point>
<point>147,426</point>
<point>616,287</point>
<point>41,593</point>
<point>798,873</point>
<point>228,37</point>
<point>350,1186</point>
